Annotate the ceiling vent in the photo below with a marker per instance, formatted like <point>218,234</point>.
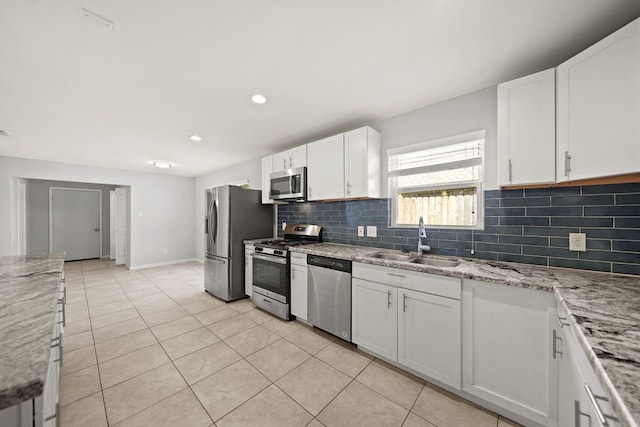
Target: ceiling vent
<point>96,19</point>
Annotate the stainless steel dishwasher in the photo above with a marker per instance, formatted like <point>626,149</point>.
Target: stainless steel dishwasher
<point>329,295</point>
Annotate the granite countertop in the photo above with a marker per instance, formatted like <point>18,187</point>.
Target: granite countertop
<point>603,308</point>
<point>29,286</point>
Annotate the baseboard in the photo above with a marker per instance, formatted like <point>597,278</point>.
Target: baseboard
<point>161,264</point>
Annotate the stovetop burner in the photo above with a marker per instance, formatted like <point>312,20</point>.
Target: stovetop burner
<point>283,243</point>
<point>294,235</point>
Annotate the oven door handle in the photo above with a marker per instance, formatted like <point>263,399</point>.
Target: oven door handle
<point>269,258</point>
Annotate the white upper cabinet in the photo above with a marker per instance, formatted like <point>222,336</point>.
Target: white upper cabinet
<point>325,176</point>
<point>526,130</point>
<point>290,159</point>
<point>598,102</point>
<point>344,166</point>
<point>267,168</point>
<point>362,163</point>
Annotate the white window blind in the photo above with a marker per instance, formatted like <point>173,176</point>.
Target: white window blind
<point>438,180</point>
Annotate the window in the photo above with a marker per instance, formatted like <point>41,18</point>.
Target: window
<point>440,181</point>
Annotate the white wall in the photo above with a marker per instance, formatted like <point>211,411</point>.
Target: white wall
<point>166,202</point>
<point>250,172</point>
<point>466,113</point>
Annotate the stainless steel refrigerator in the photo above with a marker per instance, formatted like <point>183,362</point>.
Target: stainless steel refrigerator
<point>232,215</point>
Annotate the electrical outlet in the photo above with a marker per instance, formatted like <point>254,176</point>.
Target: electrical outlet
<point>284,225</point>
<point>360,231</point>
<point>578,242</point>
<point>372,231</point>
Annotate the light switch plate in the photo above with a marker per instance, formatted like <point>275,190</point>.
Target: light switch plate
<point>360,231</point>
<point>372,231</point>
<point>578,242</point>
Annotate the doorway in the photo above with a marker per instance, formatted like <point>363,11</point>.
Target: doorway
<point>75,218</point>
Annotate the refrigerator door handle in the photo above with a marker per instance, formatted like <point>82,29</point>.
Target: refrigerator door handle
<point>209,228</point>
<point>215,226</point>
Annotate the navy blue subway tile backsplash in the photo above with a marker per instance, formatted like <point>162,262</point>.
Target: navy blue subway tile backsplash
<point>529,226</point>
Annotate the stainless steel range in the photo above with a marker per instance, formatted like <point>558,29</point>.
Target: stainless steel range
<point>271,268</point>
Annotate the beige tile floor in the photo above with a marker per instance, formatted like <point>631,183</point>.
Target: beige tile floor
<point>151,348</point>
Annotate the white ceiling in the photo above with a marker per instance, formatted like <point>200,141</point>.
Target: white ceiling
<point>73,92</point>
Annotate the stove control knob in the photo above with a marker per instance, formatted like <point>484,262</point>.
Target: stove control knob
<point>259,249</point>
<point>277,252</point>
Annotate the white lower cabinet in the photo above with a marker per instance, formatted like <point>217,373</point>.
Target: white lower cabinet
<point>582,400</point>
<point>248,269</point>
<point>418,330</point>
<point>507,342</point>
<point>374,323</point>
<point>299,284</point>
<point>429,335</point>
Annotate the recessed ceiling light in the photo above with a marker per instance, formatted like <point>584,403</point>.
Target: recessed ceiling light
<point>259,99</point>
<point>162,164</point>
<point>196,138</point>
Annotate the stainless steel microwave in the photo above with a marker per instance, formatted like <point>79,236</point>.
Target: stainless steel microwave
<point>289,184</point>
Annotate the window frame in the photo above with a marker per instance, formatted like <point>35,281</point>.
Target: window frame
<point>393,189</point>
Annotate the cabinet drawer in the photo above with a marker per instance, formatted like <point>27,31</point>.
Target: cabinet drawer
<point>298,258</point>
<point>445,286</point>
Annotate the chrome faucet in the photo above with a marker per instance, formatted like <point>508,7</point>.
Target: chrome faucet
<point>422,237</point>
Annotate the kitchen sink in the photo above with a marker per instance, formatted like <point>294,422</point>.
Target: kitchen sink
<point>435,262</point>
<point>392,257</point>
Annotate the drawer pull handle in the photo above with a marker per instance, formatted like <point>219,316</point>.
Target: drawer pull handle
<point>562,321</point>
<point>402,276</point>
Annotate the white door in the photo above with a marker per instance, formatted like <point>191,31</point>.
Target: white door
<point>375,317</point>
<point>112,224</point>
<point>75,217</point>
<point>121,226</point>
<point>429,335</point>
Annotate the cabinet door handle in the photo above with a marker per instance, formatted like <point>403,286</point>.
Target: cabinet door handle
<point>388,299</point>
<point>562,321</point>
<point>404,302</point>
<point>510,170</point>
<point>310,192</point>
<point>284,163</point>
<point>63,311</point>
<point>577,413</point>
<point>567,163</point>
<point>594,402</point>
<point>290,162</point>
<point>348,188</point>
<point>555,344</point>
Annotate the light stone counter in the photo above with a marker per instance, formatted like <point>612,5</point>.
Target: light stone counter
<point>603,308</point>
<point>29,286</point>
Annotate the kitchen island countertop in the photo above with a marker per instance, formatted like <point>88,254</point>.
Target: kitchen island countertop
<point>29,290</point>
<point>603,308</point>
